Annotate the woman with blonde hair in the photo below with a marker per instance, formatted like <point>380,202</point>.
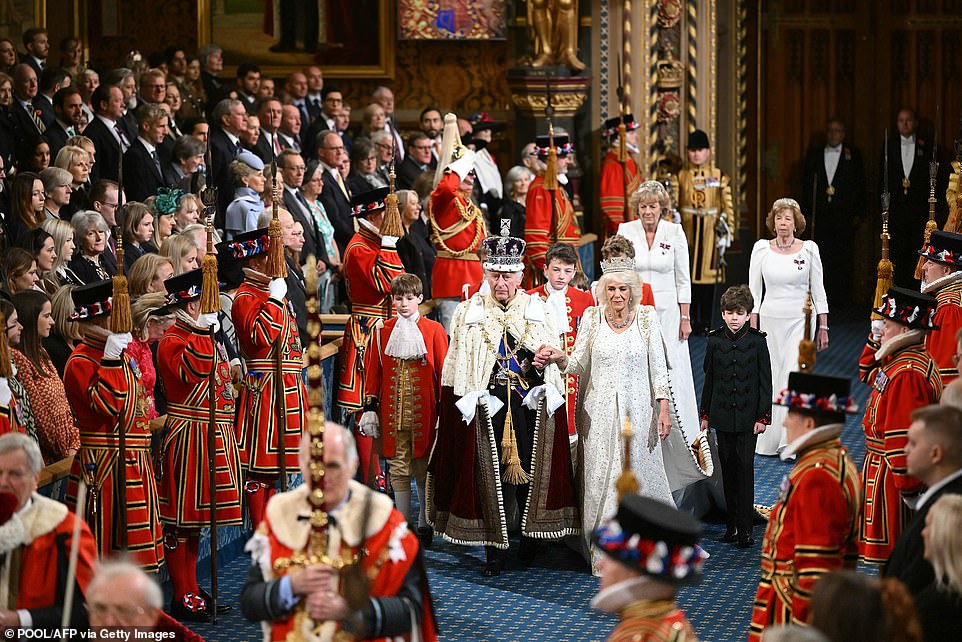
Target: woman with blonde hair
<point>148,273</point>
<point>66,333</point>
<point>76,160</point>
<point>63,244</point>
<point>182,252</point>
<point>782,272</point>
<point>148,328</point>
<point>620,356</point>
<point>939,605</point>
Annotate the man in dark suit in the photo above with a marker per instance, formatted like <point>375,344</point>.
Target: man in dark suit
<point>108,136</point>
<point>142,163</point>
<point>68,112</point>
<point>37,45</point>
<point>248,81</point>
<point>53,80</point>
<point>835,177</point>
<point>909,156</point>
<point>228,121</point>
<point>416,161</point>
<point>212,59</point>
<point>292,168</point>
<point>934,456</point>
<point>335,197</point>
<point>26,122</point>
<point>269,115</point>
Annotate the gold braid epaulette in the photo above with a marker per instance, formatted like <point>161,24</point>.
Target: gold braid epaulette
<point>470,213</point>
<point>912,358</point>
<point>950,294</point>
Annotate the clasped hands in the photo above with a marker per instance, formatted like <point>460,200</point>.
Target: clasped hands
<point>547,355</point>
<point>318,586</point>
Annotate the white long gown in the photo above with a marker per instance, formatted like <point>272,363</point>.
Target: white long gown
<point>617,369</point>
<point>779,285</point>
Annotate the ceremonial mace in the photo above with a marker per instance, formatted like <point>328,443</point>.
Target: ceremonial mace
<point>210,304</point>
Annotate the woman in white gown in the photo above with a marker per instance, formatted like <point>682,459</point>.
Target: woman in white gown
<point>621,357</point>
<point>661,259</point>
<point>781,273</point>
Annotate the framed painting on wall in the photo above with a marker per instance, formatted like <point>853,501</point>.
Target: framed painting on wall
<point>451,19</point>
<point>346,38</point>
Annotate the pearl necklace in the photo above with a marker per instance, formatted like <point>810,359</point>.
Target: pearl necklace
<point>784,247</point>
<point>615,325</point>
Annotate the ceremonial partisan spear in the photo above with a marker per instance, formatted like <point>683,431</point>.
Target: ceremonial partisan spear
<point>954,222</point>
<point>930,225</point>
<point>121,322</point>
<point>623,146</point>
<point>885,268</point>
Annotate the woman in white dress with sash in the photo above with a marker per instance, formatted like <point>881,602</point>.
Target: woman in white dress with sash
<point>781,273</point>
<point>661,259</point>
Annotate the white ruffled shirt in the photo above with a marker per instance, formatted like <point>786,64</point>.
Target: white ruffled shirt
<point>558,307</point>
<point>406,340</point>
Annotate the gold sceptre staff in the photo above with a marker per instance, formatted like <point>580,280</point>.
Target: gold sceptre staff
<point>627,483</point>
<point>121,322</point>
<point>885,268</point>
<point>930,225</point>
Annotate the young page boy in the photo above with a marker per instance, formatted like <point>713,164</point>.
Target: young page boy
<point>567,305</point>
<point>402,381</point>
<point>737,403</point>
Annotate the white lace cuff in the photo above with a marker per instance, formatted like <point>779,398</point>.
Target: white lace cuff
<point>545,391</point>
<point>468,404</point>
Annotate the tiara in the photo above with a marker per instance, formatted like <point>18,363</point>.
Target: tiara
<point>618,264</point>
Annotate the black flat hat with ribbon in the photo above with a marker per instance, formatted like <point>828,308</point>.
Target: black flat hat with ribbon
<point>819,393</point>
<point>245,246</point>
<point>480,120</point>
<point>944,247</point>
<point>910,308</point>
<point>654,539</point>
<point>561,142</point>
<point>92,300</point>
<point>369,202</point>
<point>611,125</point>
<point>184,288</point>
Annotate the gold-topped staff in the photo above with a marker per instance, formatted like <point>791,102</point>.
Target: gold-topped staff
<point>121,322</point>
<point>954,222</point>
<point>930,225</point>
<point>885,267</point>
<point>391,225</point>
<point>210,304</point>
<point>627,483</point>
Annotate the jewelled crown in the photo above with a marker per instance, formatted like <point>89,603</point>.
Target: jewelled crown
<point>618,264</point>
<point>504,253</point>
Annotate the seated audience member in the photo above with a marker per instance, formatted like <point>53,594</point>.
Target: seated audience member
<point>248,174</point>
<point>933,455</point>
<point>57,189</point>
<point>75,160</point>
<point>415,249</point>
<point>19,271</point>
<point>142,170</point>
<point>164,207</point>
<point>182,252</point>
<point>148,274</point>
<point>27,196</point>
<point>42,246</point>
<point>373,119</point>
<point>186,161</point>
<point>123,597</point>
<point>56,431</point>
<point>92,261</point>
<point>189,211</point>
<point>364,175</point>
<point>939,605</point>
<point>33,154</point>
<point>848,606</point>
<point>66,333</point>
<point>41,538</point>
<point>417,160</point>
<point>137,232</point>
<point>516,183</point>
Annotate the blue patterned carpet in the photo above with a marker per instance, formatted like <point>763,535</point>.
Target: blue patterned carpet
<point>549,602</point>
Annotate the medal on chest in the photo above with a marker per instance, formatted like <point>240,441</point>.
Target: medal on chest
<point>881,380</point>
<point>783,489</point>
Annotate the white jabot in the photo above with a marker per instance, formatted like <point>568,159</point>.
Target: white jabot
<point>908,154</point>
<point>558,307</point>
<point>832,156</point>
<point>406,340</point>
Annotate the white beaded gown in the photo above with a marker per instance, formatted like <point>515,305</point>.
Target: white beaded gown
<point>623,374</point>
<point>780,285</point>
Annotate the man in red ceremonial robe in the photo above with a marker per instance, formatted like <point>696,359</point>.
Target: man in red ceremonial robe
<point>566,305</point>
<point>370,264</point>
<point>185,358</point>
<point>402,383</point>
<point>797,549</point>
<point>619,179</point>
<point>358,519</point>
<point>35,538</point>
<point>264,322</point>
<point>903,377</point>
<point>103,387</point>
<point>457,226</point>
<point>943,280</point>
<point>549,215</point>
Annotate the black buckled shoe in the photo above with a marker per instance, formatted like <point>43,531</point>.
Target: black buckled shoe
<point>190,608</point>
<point>222,606</point>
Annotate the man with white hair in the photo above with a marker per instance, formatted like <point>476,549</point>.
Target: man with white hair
<point>511,447</point>
<point>373,536</point>
<point>35,536</point>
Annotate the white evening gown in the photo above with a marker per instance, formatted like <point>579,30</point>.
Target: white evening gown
<point>780,285</point>
<point>623,374</point>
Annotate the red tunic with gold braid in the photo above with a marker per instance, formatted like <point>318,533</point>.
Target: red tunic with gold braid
<point>904,380</point>
<point>799,549</point>
<point>259,320</point>
<point>185,357</point>
<point>941,343</point>
<point>368,270</point>
<point>457,227</point>
<point>105,394</point>
<point>543,226</point>
<point>614,196</point>
<point>388,553</point>
<point>576,302</point>
<point>653,621</point>
<point>407,389</point>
